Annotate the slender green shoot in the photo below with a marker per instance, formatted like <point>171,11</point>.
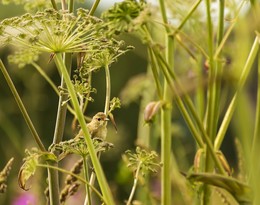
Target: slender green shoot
<point>98,169</point>
<point>22,107</point>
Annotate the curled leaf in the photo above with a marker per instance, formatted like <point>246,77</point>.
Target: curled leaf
<point>151,110</point>
<point>27,171</point>
<point>240,191</point>
<point>30,164</point>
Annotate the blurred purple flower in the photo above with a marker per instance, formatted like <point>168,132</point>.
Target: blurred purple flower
<point>25,199</point>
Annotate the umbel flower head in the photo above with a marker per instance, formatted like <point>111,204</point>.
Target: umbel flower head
<point>126,16</point>
<point>53,31</point>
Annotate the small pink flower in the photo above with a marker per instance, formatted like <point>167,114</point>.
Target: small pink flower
<point>25,199</point>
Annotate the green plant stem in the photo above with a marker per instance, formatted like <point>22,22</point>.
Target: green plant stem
<point>94,7</point>
<point>184,112</point>
<point>191,11</point>
<point>62,107</point>
<point>188,120</point>
<point>135,184</point>
<point>74,175</point>
<point>53,175</point>
<point>166,193</point>
<point>255,167</point>
<point>88,197</point>
<point>22,107</point>
<point>46,77</point>
<point>98,169</point>
<point>108,89</point>
<point>211,119</point>
<point>154,68</point>
<point>106,110</point>
<point>168,75</point>
<point>71,6</point>
<point>229,113</point>
<point>219,66</point>
<point>53,3</point>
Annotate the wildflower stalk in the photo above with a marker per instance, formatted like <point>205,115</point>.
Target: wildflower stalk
<point>135,183</point>
<point>53,175</point>
<point>22,107</point>
<point>202,137</point>
<point>88,197</point>
<point>98,169</point>
<point>46,77</point>
<point>166,117</point>
<point>54,5</point>
<point>191,11</point>
<point>219,66</point>
<point>74,175</point>
<point>94,7</point>
<point>108,89</point>
<point>106,109</point>
<point>229,113</point>
<point>211,119</point>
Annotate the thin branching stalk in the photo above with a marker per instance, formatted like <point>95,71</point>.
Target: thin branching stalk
<point>46,77</point>
<point>108,89</point>
<point>135,184</point>
<point>94,7</point>
<point>187,17</point>
<point>154,68</point>
<point>200,138</point>
<point>74,175</point>
<point>88,193</point>
<point>96,164</point>
<point>22,107</point>
<point>106,109</point>
<point>229,113</point>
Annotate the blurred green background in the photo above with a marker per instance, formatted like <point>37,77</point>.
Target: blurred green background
<point>41,103</point>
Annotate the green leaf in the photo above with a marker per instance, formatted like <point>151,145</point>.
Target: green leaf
<point>240,191</point>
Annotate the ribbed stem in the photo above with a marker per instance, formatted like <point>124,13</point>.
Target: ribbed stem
<point>95,161</point>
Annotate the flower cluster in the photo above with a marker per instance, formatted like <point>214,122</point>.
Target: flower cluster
<point>78,146</point>
<point>53,31</point>
<point>141,157</point>
<point>126,16</point>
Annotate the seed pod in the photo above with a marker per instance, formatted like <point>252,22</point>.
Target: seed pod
<point>151,110</point>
